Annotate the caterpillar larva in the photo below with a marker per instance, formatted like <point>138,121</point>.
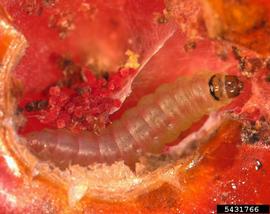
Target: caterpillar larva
<point>158,119</point>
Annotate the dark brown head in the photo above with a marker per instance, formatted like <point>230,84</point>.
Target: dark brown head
<point>223,86</point>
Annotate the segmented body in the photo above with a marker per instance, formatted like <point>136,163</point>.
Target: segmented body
<point>158,119</point>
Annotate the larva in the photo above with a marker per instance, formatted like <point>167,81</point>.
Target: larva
<point>158,119</point>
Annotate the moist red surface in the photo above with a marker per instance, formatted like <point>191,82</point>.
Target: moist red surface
<point>226,174</point>
<point>84,39</point>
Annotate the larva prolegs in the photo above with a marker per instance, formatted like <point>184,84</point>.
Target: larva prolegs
<point>155,118</point>
<point>108,148</point>
<point>137,128</point>
<point>174,118</point>
<point>125,142</point>
<point>65,148</point>
<point>89,151</point>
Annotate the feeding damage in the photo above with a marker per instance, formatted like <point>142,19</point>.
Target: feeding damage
<point>12,48</point>
<point>68,148</point>
<point>254,132</point>
<point>60,145</point>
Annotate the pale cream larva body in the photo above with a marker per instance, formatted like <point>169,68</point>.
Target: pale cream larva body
<point>157,120</point>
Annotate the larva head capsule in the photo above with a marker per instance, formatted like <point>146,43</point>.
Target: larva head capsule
<point>224,86</point>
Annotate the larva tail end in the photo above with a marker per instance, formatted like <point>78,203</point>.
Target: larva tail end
<point>41,143</point>
<point>34,144</point>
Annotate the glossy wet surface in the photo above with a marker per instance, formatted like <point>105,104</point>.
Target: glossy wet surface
<point>238,175</point>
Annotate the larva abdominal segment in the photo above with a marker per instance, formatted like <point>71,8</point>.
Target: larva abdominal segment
<point>157,120</point>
